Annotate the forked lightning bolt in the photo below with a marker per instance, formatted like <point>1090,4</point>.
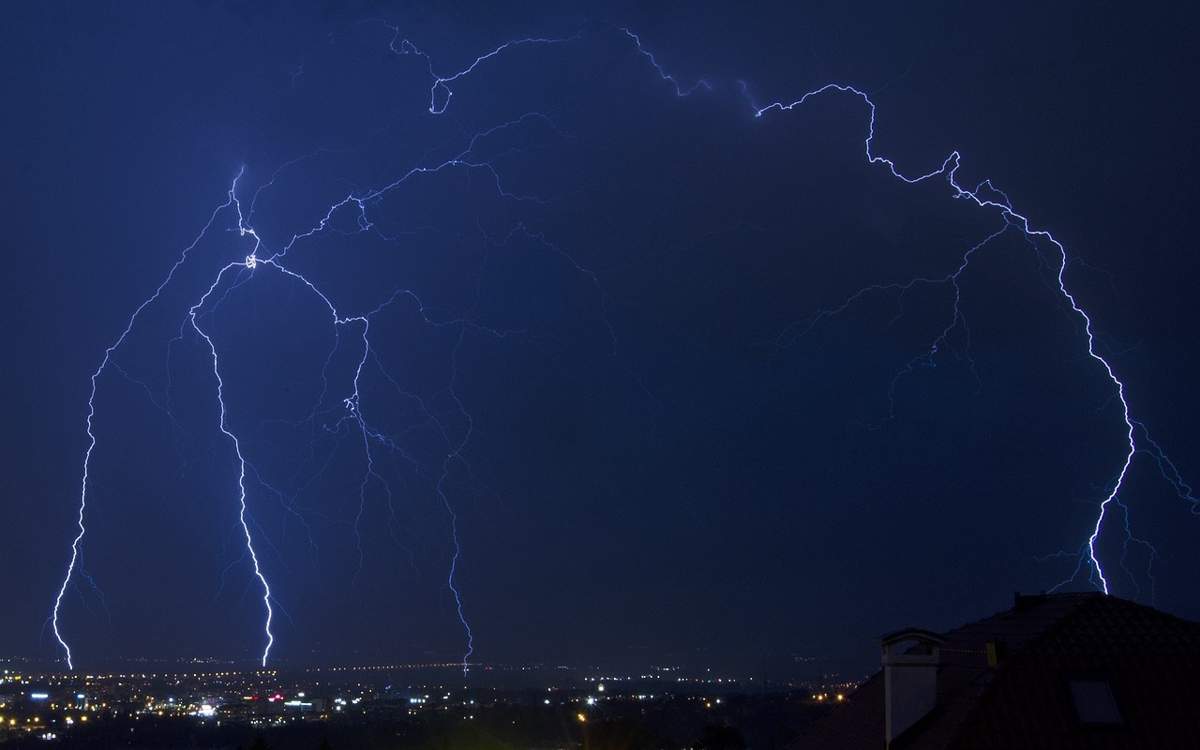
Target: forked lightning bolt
<point>997,201</point>
<point>351,403</point>
<point>105,361</point>
<point>984,196</point>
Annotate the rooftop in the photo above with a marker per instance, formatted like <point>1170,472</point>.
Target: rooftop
<point>1064,671</point>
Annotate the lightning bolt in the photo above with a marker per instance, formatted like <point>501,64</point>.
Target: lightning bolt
<point>223,424</point>
<point>997,201</point>
<point>105,361</point>
<point>983,196</point>
<point>680,91</point>
<point>440,92</point>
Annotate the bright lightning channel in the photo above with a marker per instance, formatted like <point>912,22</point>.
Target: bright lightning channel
<point>1001,204</point>
<point>351,403</point>
<point>105,361</point>
<point>440,96</point>
<point>223,424</point>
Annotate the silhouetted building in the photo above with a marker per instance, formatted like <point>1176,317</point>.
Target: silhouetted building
<point>1055,671</point>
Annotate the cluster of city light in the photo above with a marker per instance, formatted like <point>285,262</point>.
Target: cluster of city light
<point>267,705</point>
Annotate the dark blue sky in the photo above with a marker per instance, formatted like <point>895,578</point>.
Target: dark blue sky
<point>649,476</point>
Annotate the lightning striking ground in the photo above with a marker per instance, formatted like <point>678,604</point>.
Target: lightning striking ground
<point>983,196</point>
<point>105,361</point>
<point>223,425</point>
<point>997,201</point>
<point>250,263</point>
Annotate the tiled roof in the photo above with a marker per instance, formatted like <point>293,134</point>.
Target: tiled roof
<point>1150,659</point>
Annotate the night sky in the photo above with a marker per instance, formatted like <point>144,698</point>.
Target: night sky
<point>656,459</point>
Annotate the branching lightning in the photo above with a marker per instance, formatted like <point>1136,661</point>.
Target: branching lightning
<point>351,402</point>
<point>440,88</point>
<point>105,361</point>
<point>997,201</point>
<point>983,196</point>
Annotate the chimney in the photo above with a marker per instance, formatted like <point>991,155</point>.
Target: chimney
<point>910,666</point>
